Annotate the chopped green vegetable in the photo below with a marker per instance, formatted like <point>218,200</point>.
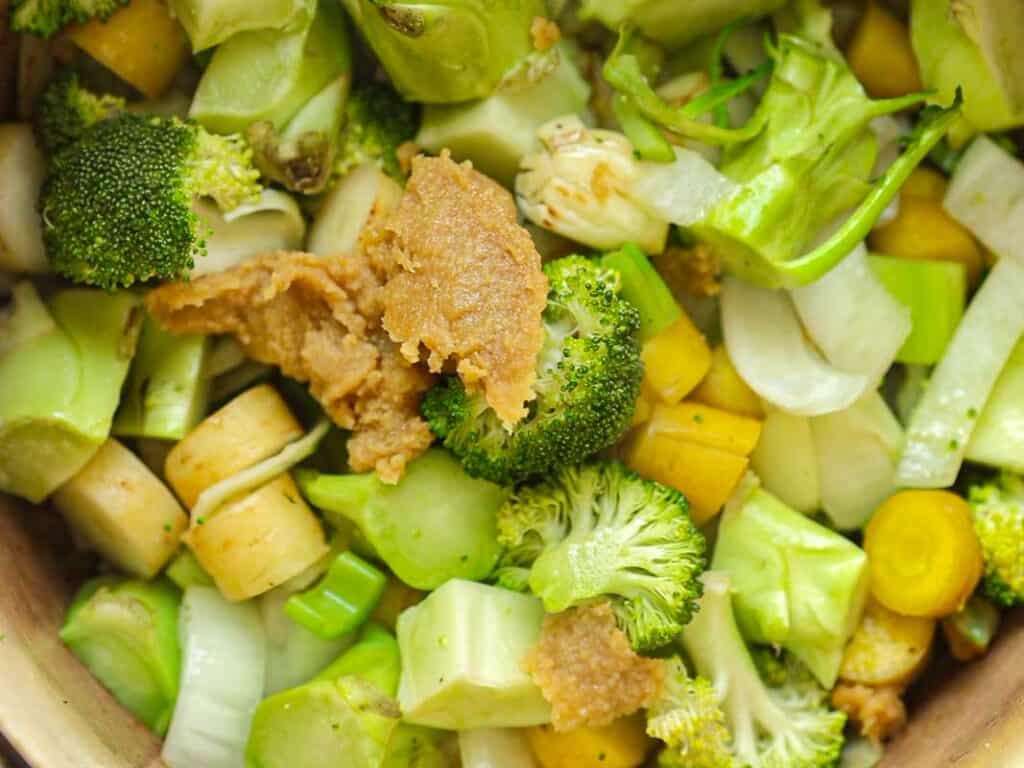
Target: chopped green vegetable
<point>125,631</point>
<point>588,379</point>
<point>795,583</point>
<point>67,110</point>
<point>377,122</point>
<point>374,659</point>
<point>998,508</point>
<point>447,51</point>
<point>210,22</point>
<point>998,437</point>
<point>185,571</point>
<point>935,292</point>
<point>166,391</point>
<point>462,659</point>
<point>643,287</point>
<point>117,206</point>
<point>788,726</point>
<point>59,387</point>
<point>436,524</point>
<point>342,600</point>
<point>599,531</point>
<point>46,17</point>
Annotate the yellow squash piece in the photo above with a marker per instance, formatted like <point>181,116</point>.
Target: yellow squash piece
<point>139,43</point>
<point>706,476</point>
<point>924,556</point>
<point>675,361</point>
<point>707,426</point>
<point>926,183</point>
<point>723,387</point>
<point>621,744</point>
<point>881,56</point>
<point>123,511</point>
<point>887,648</point>
<point>923,230</point>
<point>253,426</point>
<point>259,541</point>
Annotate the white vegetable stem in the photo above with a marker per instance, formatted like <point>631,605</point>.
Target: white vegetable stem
<point>944,420</point>
<point>852,318</point>
<point>682,192</point>
<point>767,345</point>
<point>22,169</point>
<point>222,675</point>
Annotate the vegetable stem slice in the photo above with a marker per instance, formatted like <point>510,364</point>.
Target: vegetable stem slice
<point>342,600</point>
<point>642,286</point>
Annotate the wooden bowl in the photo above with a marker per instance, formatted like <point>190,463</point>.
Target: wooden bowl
<point>57,716</point>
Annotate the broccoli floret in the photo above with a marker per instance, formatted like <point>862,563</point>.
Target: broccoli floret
<point>46,17</point>
<point>687,717</point>
<point>784,726</point>
<point>377,121</point>
<point>116,207</point>
<point>588,379</point>
<point>601,531</point>
<point>67,110</point>
<point>998,509</point>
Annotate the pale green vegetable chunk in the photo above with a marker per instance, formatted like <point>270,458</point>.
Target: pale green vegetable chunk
<point>998,437</point>
<point>462,650</point>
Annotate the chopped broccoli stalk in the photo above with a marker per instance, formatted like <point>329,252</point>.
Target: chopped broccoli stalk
<point>643,287</point>
<point>795,583</point>
<point>498,131</point>
<point>788,726</point>
<point>46,17</point>
<point>166,391</point>
<point>413,746</point>
<point>672,22</point>
<point>59,387</point>
<point>25,319</point>
<point>998,437</point>
<point>935,292</point>
<point>67,110</point>
<point>185,571</point>
<point>377,122</point>
<point>972,44</point>
<point>462,652</point>
<point>125,631</point>
<point>648,141</point>
<point>301,157</point>
<point>436,524</point>
<point>588,379</point>
<point>272,74</point>
<point>447,51</point>
<point>117,209</point>
<point>374,659</point>
<point>998,508</point>
<point>341,601</point>
<point>599,531</point>
<point>210,22</point>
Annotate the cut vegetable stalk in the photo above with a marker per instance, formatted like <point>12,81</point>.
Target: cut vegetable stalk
<point>342,600</point>
<point>647,140</point>
<point>998,437</point>
<point>643,287</point>
<point>941,426</point>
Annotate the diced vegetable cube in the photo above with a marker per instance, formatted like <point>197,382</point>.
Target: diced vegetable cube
<point>675,360</point>
<point>723,387</point>
<point>707,426</point>
<point>621,744</point>
<point>342,600</point>
<point>887,648</point>
<point>881,56</point>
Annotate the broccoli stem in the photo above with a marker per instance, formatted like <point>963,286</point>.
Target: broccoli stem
<point>344,495</point>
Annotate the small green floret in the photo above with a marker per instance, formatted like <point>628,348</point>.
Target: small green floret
<point>601,531</point>
<point>588,379</point>
<point>999,522</point>
<point>46,17</point>
<point>66,110</point>
<point>117,206</point>
<point>377,121</point>
<point>687,717</point>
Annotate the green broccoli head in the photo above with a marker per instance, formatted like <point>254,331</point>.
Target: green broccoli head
<point>116,206</point>
<point>66,110</point>
<point>46,17</point>
<point>687,718</point>
<point>998,509</point>
<point>588,379</point>
<point>600,531</point>
<point>784,726</point>
<point>377,121</point>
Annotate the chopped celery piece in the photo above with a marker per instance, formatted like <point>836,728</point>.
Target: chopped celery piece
<point>185,571</point>
<point>998,439</point>
<point>165,394</point>
<point>496,132</point>
<point>642,286</point>
<point>986,195</point>
<point>345,715</point>
<point>795,583</point>
<point>342,600</point>
<point>59,391</point>
<point>125,631</point>
<point>437,523</point>
<point>374,659</point>
<point>935,293</point>
<point>270,74</point>
<point>945,418</point>
<point>462,651</point>
<point>647,139</point>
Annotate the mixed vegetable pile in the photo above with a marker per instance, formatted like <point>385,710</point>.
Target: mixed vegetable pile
<point>753,436</point>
